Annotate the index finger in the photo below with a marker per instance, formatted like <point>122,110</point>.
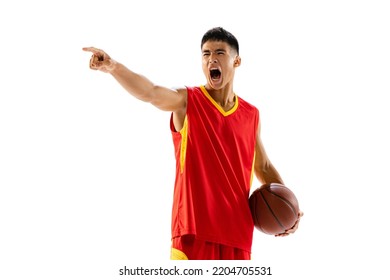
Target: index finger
<point>92,49</point>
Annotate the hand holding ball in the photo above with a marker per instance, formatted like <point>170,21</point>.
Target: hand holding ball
<point>274,208</point>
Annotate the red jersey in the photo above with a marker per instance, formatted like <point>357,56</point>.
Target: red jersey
<point>214,167</point>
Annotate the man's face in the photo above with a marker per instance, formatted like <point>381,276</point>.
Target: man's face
<point>219,61</point>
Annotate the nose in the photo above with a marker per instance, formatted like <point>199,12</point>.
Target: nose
<point>212,60</point>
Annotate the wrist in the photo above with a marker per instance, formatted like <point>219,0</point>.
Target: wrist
<point>112,66</point>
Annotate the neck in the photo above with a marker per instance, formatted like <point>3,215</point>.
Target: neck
<point>225,97</point>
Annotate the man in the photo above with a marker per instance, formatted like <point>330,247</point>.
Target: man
<point>216,136</point>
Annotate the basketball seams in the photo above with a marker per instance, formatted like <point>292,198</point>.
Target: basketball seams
<point>271,211</point>
<point>254,206</point>
<point>256,216</point>
<point>289,204</point>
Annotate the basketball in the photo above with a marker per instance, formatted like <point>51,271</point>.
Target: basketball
<point>274,208</point>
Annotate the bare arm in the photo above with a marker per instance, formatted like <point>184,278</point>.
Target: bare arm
<point>265,172</point>
<point>137,85</point>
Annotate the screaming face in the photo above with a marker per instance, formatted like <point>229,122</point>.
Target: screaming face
<point>218,63</point>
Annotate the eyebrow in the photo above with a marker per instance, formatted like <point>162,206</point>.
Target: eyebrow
<point>217,50</point>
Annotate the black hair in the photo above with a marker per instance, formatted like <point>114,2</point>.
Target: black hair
<point>220,34</point>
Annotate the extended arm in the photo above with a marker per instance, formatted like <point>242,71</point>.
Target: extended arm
<point>137,85</point>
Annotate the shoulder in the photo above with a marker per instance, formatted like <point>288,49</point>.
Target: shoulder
<point>182,90</point>
<point>191,89</point>
<point>247,105</point>
<point>191,92</point>
<point>186,90</point>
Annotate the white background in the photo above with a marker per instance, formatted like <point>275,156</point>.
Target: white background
<point>87,171</point>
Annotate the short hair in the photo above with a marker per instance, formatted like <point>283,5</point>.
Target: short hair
<point>220,34</point>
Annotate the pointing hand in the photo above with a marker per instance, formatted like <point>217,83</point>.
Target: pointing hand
<point>100,60</point>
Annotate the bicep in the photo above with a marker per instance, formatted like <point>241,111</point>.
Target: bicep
<point>167,99</point>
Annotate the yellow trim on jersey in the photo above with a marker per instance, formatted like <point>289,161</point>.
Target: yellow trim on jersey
<point>178,255</point>
<point>253,168</point>
<point>220,109</point>
<point>183,145</point>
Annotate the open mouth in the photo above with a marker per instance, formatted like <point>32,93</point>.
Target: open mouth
<point>215,74</point>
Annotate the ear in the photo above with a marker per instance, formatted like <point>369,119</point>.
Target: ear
<point>237,61</point>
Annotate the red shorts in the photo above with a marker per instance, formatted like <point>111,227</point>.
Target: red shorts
<point>187,247</point>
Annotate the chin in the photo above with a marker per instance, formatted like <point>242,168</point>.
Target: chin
<point>215,85</point>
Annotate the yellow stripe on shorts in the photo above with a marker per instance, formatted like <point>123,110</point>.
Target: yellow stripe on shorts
<point>178,255</point>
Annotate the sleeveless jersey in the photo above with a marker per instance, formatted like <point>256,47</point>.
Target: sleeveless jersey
<point>214,167</point>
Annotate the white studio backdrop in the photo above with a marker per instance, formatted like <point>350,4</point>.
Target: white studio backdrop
<point>87,171</point>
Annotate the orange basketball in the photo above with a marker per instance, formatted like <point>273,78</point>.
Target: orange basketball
<point>274,208</point>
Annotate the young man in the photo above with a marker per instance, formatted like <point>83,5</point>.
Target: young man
<point>216,136</point>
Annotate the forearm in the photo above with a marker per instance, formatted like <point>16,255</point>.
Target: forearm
<point>268,174</point>
<point>136,84</point>
<point>166,99</point>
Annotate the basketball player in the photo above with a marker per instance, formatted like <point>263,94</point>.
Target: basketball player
<point>216,136</point>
